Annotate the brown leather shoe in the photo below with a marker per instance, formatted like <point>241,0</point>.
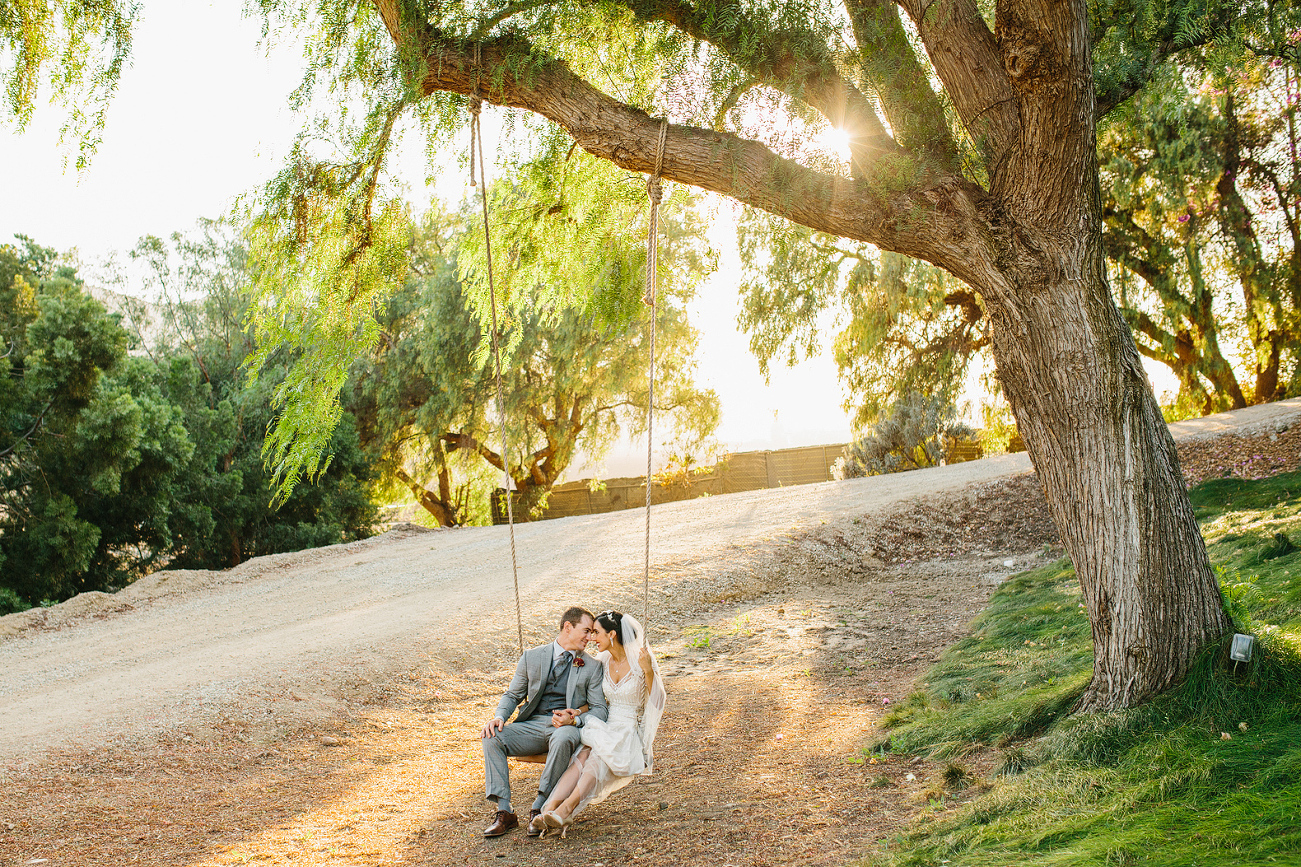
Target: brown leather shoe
<point>500,825</point>
<point>535,828</point>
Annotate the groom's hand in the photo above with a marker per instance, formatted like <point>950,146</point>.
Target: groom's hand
<point>563,717</point>
<point>493,726</point>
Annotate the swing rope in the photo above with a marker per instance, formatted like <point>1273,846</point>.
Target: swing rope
<point>476,150</point>
<point>655,193</point>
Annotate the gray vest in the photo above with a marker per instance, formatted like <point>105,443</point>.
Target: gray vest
<point>555,696</point>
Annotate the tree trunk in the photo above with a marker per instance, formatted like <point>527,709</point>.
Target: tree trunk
<point>1111,476</point>
<point>1108,465</point>
<point>442,510</point>
<point>1072,374</point>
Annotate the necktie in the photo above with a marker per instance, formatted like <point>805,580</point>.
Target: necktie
<point>560,665</point>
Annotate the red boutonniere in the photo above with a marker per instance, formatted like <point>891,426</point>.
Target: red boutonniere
<point>578,662</point>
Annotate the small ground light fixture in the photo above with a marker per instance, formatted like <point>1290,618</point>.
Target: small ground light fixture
<point>1243,645</point>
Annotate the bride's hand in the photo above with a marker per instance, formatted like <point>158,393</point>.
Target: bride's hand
<point>644,658</point>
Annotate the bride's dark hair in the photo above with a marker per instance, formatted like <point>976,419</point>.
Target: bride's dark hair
<point>612,621</point>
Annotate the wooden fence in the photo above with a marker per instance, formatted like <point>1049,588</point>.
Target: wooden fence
<point>740,471</point>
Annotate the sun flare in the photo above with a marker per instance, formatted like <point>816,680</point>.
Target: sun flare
<point>836,141</point>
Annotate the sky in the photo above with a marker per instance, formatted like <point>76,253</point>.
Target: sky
<point>201,116</point>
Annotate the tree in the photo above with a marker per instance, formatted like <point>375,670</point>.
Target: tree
<point>89,449</point>
<point>1200,221</point>
<point>913,434</point>
<point>221,510</point>
<point>906,326</point>
<point>572,379</point>
<point>972,146</point>
<point>115,465</point>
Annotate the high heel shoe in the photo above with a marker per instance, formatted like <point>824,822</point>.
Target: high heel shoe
<point>555,821</point>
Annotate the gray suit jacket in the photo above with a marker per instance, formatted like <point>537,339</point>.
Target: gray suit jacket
<point>584,687</point>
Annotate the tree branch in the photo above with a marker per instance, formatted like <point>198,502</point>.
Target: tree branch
<point>1144,324</point>
<point>40,418</point>
<point>935,219</point>
<point>967,59</point>
<point>1123,236</point>
<point>794,62</point>
<point>913,109</point>
<point>465,441</point>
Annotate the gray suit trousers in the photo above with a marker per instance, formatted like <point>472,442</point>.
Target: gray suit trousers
<point>528,738</point>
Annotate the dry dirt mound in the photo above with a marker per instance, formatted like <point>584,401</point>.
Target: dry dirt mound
<point>1252,455</point>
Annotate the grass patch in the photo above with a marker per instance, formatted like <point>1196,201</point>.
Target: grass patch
<point>1025,663</point>
<point>1208,774</point>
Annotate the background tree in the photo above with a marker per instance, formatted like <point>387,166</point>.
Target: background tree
<point>573,378</point>
<point>90,448</point>
<point>905,326</point>
<point>222,510</point>
<point>1201,225</point>
<point>912,434</point>
<point>114,465</point>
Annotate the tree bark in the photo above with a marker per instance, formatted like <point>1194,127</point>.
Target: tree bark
<point>1111,476</point>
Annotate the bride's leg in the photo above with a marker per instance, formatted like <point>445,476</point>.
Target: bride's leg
<point>581,788</point>
<point>568,781</point>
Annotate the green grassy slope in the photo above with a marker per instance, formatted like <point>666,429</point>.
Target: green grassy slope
<point>1209,774</point>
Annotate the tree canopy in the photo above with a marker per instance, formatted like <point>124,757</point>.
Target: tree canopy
<point>195,335</point>
<point>90,449</point>
<point>115,464</point>
<point>77,50</point>
<point>971,144</point>
<point>1201,180</point>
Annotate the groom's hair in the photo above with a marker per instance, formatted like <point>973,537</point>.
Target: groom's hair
<point>575,616</point>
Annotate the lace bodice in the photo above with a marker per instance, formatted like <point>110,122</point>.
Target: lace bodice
<point>624,699</point>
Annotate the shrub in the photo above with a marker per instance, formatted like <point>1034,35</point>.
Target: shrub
<point>912,434</point>
<point>10,602</point>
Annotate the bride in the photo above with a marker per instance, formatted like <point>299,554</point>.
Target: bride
<point>618,749</point>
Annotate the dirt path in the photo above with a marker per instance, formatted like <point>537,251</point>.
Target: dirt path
<point>137,663</point>
<point>775,683</point>
<point>186,725</point>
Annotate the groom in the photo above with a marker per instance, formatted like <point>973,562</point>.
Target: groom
<point>560,687</point>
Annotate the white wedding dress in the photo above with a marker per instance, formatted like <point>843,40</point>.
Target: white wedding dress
<point>619,747</point>
<point>616,741</point>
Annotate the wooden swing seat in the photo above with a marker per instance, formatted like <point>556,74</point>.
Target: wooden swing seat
<point>540,759</point>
